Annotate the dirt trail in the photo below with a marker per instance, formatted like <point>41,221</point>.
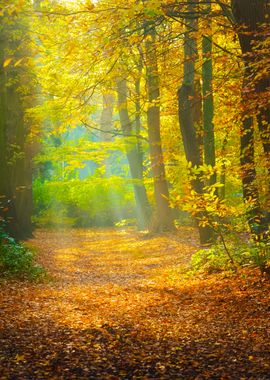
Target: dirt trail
<point>118,307</point>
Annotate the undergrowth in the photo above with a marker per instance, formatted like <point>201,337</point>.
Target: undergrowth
<point>16,261</point>
<point>236,254</point>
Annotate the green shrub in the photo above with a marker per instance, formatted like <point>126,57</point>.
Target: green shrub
<point>16,260</point>
<point>210,260</point>
<point>241,253</point>
<point>259,254</point>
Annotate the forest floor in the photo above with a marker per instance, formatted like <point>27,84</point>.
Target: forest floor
<point>118,306</point>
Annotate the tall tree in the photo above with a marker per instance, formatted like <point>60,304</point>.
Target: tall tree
<point>207,92</point>
<point>134,157</point>
<point>163,219</point>
<point>189,99</point>
<point>4,193</point>
<point>249,18</point>
<point>15,152</point>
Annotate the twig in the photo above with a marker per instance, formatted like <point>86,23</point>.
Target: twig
<point>114,132</point>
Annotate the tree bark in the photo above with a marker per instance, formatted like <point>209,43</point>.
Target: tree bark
<point>163,219</point>
<point>19,153</point>
<point>3,162</point>
<point>189,103</point>
<point>208,101</point>
<point>138,113</point>
<point>249,18</point>
<point>8,212</point>
<point>134,159</point>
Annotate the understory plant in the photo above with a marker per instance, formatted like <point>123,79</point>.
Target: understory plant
<point>233,245</point>
<point>16,261</point>
<point>235,253</point>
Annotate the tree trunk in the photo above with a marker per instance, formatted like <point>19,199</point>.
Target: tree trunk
<point>208,101</point>
<point>3,162</point>
<point>249,18</point>
<point>106,123</point>
<point>189,101</point>
<point>138,114</point>
<point>134,159</point>
<point>222,179</point>
<point>17,129</point>
<point>8,214</point>
<point>163,218</point>
<point>19,155</point>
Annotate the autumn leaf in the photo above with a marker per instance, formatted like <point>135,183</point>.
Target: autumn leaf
<point>19,358</point>
<point>17,63</point>
<point>7,62</point>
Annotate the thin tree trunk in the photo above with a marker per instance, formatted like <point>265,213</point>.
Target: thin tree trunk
<point>250,190</point>
<point>208,101</point>
<point>138,114</point>
<point>106,123</point>
<point>222,180</point>
<point>133,155</point>
<point>163,219</point>
<point>190,117</point>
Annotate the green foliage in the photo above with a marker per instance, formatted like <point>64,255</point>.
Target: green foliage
<point>241,253</point>
<point>89,202</point>
<point>259,253</point>
<point>16,260</point>
<point>126,223</point>
<point>210,260</point>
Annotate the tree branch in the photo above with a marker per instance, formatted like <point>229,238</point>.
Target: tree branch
<point>114,133</point>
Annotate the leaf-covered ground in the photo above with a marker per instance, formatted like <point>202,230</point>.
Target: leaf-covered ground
<point>119,307</point>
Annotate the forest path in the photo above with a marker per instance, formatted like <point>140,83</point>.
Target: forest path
<point>119,307</point>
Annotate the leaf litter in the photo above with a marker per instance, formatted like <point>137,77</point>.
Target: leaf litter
<point>118,306</point>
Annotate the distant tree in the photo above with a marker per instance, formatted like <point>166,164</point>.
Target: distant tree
<point>133,153</point>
